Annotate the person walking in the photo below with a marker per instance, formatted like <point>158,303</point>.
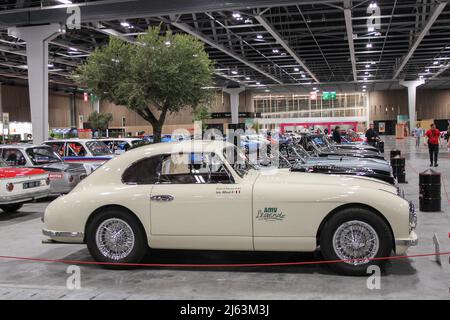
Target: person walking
<point>371,135</point>
<point>432,137</point>
<point>337,135</point>
<point>417,133</point>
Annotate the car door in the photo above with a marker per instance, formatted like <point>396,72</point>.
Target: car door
<point>197,204</point>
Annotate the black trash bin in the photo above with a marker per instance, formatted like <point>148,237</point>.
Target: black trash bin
<point>380,146</point>
<point>395,153</point>
<point>398,169</point>
<point>430,191</point>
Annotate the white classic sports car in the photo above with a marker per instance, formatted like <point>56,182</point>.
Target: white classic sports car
<point>206,195</point>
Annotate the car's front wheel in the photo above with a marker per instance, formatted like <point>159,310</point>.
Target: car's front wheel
<point>116,236</point>
<point>11,208</point>
<point>357,237</point>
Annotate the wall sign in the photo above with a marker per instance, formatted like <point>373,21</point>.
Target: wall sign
<point>227,115</point>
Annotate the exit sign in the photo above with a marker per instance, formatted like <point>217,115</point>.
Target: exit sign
<point>329,95</point>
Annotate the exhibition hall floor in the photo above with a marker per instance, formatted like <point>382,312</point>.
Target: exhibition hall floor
<point>415,278</point>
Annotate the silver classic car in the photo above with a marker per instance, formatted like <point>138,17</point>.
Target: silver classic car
<point>63,176</point>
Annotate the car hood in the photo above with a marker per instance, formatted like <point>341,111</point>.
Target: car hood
<point>285,176</point>
<point>356,146</point>
<point>350,162</point>
<point>351,153</point>
<point>62,166</point>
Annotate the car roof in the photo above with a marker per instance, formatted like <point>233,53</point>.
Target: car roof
<point>178,146</point>
<point>22,146</point>
<point>119,139</point>
<point>71,140</point>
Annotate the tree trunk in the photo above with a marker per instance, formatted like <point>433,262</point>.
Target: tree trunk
<point>157,130</point>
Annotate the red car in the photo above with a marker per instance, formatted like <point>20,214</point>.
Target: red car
<point>21,185</point>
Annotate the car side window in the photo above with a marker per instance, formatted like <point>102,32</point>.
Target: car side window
<point>57,147</point>
<point>194,168</point>
<point>75,149</point>
<point>145,171</point>
<point>14,157</point>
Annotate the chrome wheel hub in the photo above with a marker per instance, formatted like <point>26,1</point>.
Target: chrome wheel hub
<point>115,239</point>
<point>355,242</point>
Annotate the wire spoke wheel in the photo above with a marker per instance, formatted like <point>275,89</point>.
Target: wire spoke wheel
<point>355,242</point>
<point>115,239</point>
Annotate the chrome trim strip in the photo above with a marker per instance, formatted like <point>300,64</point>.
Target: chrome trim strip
<point>63,234</point>
<point>407,242</point>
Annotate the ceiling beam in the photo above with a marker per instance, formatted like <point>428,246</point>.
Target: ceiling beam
<point>349,28</point>
<point>107,10</point>
<point>286,47</point>
<point>186,28</point>
<point>431,20</point>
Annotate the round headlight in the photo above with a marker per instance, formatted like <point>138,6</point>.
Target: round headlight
<point>10,187</point>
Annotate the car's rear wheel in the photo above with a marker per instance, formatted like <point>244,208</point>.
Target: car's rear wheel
<point>116,236</point>
<point>357,237</point>
<point>11,208</point>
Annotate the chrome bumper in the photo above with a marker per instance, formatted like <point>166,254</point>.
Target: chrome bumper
<point>64,236</point>
<point>24,197</point>
<point>413,240</point>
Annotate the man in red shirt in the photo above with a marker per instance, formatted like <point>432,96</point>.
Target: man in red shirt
<point>433,136</point>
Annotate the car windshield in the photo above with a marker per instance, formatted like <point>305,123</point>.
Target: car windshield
<point>238,161</point>
<point>42,155</point>
<point>136,143</point>
<point>328,140</point>
<point>301,153</point>
<point>98,148</point>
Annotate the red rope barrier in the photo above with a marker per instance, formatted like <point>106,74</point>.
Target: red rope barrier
<point>236,265</point>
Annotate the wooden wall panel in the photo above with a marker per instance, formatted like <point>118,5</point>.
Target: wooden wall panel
<point>59,110</point>
<point>16,101</point>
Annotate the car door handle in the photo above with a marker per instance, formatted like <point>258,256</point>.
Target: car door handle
<point>162,197</point>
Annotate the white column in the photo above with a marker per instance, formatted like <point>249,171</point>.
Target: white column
<point>234,103</point>
<point>412,88</point>
<point>37,38</point>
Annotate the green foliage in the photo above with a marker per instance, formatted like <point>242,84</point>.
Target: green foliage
<point>100,121</point>
<point>159,73</point>
<point>201,113</point>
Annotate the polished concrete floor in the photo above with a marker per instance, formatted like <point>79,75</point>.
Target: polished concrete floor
<point>417,278</point>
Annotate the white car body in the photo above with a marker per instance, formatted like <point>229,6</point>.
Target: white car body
<point>261,211</point>
<point>36,181</point>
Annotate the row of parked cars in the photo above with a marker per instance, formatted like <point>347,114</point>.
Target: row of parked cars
<point>30,172</point>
